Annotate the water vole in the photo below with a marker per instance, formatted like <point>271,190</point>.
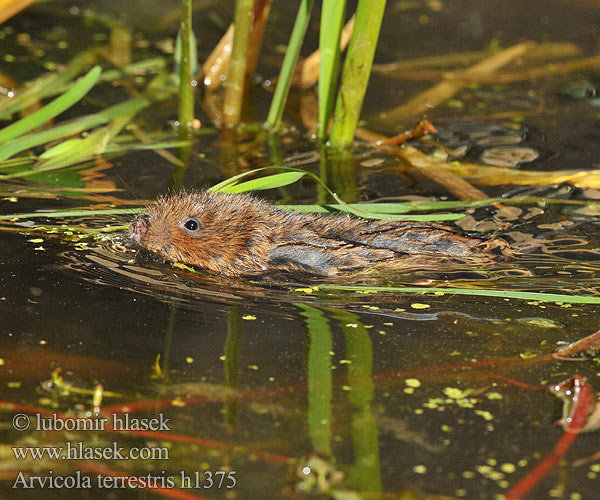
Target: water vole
<point>237,234</point>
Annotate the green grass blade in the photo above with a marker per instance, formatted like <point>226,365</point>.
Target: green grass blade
<point>15,146</point>
<point>153,64</point>
<point>319,378</point>
<point>186,90</point>
<point>412,206</point>
<point>15,162</point>
<point>508,294</point>
<point>146,147</point>
<point>64,148</point>
<point>289,62</point>
<point>47,85</point>
<point>93,144</point>
<point>332,22</point>
<point>54,108</point>
<point>357,69</point>
<point>267,182</point>
<point>233,180</point>
<point>355,209</point>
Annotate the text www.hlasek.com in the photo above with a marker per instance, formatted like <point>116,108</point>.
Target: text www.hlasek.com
<point>78,451</point>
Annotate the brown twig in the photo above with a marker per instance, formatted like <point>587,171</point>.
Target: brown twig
<point>586,347</point>
<point>422,128</point>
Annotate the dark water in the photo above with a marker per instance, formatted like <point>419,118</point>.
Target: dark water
<point>298,388</point>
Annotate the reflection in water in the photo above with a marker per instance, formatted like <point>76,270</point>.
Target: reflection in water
<point>364,474</point>
<point>319,379</point>
<point>231,353</point>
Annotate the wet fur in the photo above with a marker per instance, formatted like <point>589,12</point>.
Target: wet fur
<point>241,235</point>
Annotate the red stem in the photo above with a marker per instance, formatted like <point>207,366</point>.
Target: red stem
<point>578,418</point>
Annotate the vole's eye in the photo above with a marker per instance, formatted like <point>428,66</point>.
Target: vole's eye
<point>192,225</point>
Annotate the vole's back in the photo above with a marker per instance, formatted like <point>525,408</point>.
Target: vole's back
<point>326,245</point>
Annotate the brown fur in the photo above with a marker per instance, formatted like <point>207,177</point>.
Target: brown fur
<point>241,235</point>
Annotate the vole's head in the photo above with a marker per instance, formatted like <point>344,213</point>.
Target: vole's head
<point>222,233</point>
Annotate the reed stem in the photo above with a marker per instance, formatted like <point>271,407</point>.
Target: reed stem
<point>332,22</point>
<point>357,69</point>
<point>234,92</point>
<point>289,62</point>
<point>186,75</point>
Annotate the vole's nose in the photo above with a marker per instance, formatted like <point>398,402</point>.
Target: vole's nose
<point>139,228</point>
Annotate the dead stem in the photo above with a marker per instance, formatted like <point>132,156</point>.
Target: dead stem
<point>430,98</point>
<point>545,71</point>
<point>585,63</point>
<point>540,53</point>
<point>496,176</point>
<point>260,15</point>
<point>9,8</point>
<point>215,67</point>
<point>500,115</point>
<point>236,74</point>
<point>455,185</point>
<point>430,169</point>
<point>212,104</point>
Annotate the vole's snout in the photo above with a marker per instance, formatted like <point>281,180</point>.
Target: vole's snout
<point>139,228</point>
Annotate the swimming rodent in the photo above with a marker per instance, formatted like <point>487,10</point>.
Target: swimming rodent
<point>240,235</point>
